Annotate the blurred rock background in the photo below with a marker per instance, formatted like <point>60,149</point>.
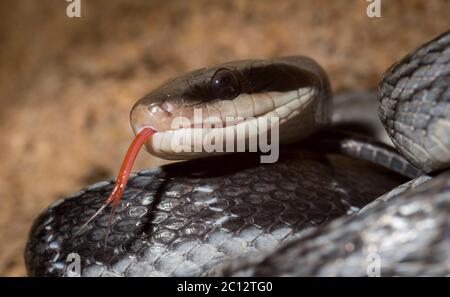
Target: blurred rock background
<point>67,84</point>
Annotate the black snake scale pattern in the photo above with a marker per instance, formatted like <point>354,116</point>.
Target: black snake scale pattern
<point>408,234</point>
<point>415,104</point>
<point>184,219</point>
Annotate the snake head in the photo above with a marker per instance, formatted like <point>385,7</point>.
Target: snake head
<point>234,103</point>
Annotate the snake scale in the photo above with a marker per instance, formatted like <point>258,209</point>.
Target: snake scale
<point>314,212</point>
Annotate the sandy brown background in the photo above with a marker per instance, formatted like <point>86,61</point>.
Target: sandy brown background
<point>66,85</point>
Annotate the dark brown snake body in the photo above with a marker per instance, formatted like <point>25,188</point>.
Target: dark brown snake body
<point>231,215</point>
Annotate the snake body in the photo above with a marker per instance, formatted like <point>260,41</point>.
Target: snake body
<point>231,215</point>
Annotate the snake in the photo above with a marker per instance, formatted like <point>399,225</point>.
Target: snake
<point>335,202</point>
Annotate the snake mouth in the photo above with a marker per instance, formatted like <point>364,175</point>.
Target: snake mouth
<point>221,126</point>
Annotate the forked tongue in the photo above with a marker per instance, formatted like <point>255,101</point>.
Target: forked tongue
<point>122,178</point>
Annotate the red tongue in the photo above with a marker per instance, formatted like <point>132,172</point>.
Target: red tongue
<point>122,178</point>
<point>127,164</point>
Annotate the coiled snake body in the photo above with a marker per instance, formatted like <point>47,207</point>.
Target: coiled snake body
<point>232,215</point>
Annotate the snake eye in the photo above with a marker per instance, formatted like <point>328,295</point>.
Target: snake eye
<point>224,84</point>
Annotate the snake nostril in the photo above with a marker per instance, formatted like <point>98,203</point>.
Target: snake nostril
<point>153,116</point>
<point>166,106</point>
